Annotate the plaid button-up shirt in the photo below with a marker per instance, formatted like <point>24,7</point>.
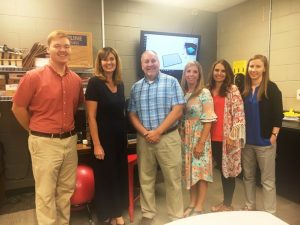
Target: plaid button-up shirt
<point>153,101</point>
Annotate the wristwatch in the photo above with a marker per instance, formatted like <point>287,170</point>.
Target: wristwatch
<point>275,134</point>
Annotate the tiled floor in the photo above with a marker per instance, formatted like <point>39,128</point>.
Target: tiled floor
<point>287,210</point>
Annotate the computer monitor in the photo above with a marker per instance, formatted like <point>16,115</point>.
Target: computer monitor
<point>174,50</point>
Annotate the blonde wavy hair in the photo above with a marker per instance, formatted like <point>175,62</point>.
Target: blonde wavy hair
<point>200,81</point>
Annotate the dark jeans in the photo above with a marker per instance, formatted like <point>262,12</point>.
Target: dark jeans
<point>227,183</point>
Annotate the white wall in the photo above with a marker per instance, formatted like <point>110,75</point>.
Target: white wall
<point>244,31</point>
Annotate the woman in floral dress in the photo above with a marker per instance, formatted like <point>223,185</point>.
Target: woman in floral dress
<point>195,133</point>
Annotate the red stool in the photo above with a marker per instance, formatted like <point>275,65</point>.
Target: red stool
<point>132,160</point>
<point>84,191</point>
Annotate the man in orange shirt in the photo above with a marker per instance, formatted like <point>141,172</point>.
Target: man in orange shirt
<point>44,104</point>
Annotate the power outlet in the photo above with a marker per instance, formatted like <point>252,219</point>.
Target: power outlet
<point>298,94</point>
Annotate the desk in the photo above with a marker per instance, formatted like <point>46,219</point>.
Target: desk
<point>231,218</point>
<point>131,144</point>
<point>81,148</point>
<point>85,149</point>
<point>85,154</point>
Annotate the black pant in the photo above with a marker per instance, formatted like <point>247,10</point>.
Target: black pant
<point>227,183</point>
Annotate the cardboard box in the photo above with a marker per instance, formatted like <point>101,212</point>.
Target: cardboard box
<point>9,93</point>
<point>82,49</point>
<point>16,75</point>
<point>40,62</point>
<point>2,80</point>
<point>10,89</point>
<point>14,78</point>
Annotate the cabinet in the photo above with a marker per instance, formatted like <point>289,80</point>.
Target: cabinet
<point>288,161</point>
<point>13,139</point>
<point>16,157</point>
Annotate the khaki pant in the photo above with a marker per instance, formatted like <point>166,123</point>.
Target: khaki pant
<point>166,154</point>
<point>264,156</point>
<point>54,163</point>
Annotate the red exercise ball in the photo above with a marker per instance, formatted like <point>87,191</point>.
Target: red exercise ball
<point>85,186</point>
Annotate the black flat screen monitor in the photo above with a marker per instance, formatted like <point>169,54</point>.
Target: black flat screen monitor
<point>174,50</point>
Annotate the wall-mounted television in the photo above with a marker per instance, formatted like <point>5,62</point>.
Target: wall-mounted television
<point>174,50</point>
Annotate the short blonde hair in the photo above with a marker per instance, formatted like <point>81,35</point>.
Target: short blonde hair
<point>56,34</point>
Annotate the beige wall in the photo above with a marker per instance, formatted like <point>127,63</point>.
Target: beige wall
<point>244,31</point>
<point>124,20</point>
<point>24,22</point>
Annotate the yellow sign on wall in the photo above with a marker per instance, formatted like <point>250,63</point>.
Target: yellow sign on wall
<point>239,67</point>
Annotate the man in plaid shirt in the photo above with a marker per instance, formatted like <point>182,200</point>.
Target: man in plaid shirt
<point>156,104</point>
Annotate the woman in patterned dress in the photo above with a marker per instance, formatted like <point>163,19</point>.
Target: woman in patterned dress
<point>228,133</point>
<point>195,133</point>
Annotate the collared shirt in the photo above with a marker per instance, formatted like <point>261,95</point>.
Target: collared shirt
<point>153,101</point>
<point>252,115</point>
<point>51,99</point>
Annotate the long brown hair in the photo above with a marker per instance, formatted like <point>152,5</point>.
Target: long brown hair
<point>99,72</point>
<point>228,77</point>
<point>200,81</point>
<point>262,90</point>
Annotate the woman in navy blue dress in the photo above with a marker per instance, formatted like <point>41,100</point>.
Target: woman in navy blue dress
<point>105,104</point>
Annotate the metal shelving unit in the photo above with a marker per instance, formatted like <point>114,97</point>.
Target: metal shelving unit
<point>23,70</point>
<point>6,70</point>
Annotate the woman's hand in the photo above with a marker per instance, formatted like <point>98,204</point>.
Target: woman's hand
<point>199,148</point>
<point>229,145</point>
<point>273,139</point>
<point>99,152</point>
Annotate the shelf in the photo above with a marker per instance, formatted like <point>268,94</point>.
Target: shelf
<point>23,70</point>
<point>5,98</point>
<point>84,73</point>
<point>12,69</point>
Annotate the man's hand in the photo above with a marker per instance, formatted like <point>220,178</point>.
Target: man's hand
<point>152,136</point>
<point>22,115</point>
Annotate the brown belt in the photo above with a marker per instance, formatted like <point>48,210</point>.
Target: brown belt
<point>53,135</point>
<point>170,130</point>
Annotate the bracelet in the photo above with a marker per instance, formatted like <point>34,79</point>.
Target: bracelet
<point>275,134</point>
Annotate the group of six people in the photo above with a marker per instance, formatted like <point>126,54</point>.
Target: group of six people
<point>182,130</point>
